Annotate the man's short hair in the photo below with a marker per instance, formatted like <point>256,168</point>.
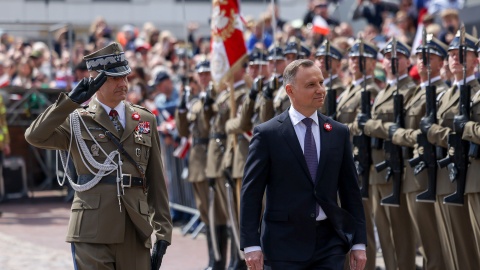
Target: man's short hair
<point>290,71</point>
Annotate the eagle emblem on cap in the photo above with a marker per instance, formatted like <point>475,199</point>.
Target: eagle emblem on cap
<point>116,49</point>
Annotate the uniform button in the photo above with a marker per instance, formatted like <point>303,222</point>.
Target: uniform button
<point>312,215</point>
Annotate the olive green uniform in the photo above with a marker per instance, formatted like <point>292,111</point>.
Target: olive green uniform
<point>393,223</point>
<point>422,214</point>
<point>347,109</point>
<point>95,215</point>
<point>454,221</point>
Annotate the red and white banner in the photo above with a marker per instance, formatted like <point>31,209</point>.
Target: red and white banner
<point>228,45</point>
<point>320,26</point>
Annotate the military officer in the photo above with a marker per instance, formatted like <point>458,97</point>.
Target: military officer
<point>220,151</point>
<point>347,109</point>
<point>293,50</point>
<point>471,132</point>
<point>422,214</point>
<point>258,64</point>
<point>393,223</point>
<point>277,64</point>
<point>454,221</point>
<point>121,197</point>
<point>332,81</point>
<point>189,121</point>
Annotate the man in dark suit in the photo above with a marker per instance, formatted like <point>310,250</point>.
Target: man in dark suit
<point>303,160</point>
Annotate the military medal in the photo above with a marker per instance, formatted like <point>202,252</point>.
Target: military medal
<point>94,148</point>
<point>138,135</point>
<point>327,126</point>
<point>136,116</point>
<point>143,127</point>
<point>138,152</point>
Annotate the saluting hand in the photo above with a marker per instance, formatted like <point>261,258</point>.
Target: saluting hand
<point>87,87</point>
<point>254,260</point>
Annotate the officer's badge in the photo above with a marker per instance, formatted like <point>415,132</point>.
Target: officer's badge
<point>94,148</point>
<point>138,152</point>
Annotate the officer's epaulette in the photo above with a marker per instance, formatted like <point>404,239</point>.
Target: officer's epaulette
<point>140,107</point>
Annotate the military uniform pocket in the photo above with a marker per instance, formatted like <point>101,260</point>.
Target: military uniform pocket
<point>84,216</point>
<point>142,149</point>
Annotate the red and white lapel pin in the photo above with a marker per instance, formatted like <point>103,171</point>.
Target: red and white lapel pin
<point>327,126</point>
<point>136,116</point>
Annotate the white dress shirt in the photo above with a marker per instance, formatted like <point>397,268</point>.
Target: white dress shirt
<point>394,81</point>
<point>432,80</point>
<point>120,108</point>
<point>300,130</point>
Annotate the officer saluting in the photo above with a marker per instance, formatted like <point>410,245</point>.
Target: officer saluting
<point>121,197</point>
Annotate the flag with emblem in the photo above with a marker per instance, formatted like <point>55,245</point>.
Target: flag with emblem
<point>227,45</point>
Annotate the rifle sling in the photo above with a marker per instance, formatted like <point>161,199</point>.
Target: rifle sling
<point>122,151</point>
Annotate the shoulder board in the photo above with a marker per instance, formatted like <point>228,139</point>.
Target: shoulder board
<point>143,108</point>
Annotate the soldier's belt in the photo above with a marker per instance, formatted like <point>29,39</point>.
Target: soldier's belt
<point>197,141</point>
<point>221,136</point>
<point>127,180</point>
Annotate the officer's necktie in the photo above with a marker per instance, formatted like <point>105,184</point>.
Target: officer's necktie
<point>310,153</point>
<point>116,122</point>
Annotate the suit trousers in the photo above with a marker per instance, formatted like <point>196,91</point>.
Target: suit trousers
<point>395,230</point>
<point>329,253</point>
<point>426,230</point>
<point>131,254</point>
<point>458,230</point>
<point>371,243</point>
<point>200,191</point>
<point>474,209</point>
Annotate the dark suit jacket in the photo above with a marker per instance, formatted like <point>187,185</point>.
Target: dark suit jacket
<point>276,163</point>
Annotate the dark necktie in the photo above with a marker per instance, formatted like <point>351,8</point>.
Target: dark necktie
<point>116,122</point>
<point>310,149</point>
<point>310,153</point>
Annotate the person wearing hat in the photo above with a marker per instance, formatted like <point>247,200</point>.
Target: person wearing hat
<point>332,81</point>
<point>454,220</point>
<point>347,108</point>
<point>257,64</point>
<point>277,64</point>
<point>423,214</point>
<point>117,205</point>
<point>395,227</point>
<point>220,153</point>
<point>188,119</point>
<point>470,129</point>
<point>293,50</point>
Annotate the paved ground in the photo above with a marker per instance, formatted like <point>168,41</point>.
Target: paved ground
<point>32,236</point>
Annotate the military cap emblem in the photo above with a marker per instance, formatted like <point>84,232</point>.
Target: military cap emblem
<point>110,59</point>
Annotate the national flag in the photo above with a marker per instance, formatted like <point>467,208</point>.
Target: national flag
<point>228,46</point>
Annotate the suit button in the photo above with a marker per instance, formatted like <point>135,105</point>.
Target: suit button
<point>312,215</point>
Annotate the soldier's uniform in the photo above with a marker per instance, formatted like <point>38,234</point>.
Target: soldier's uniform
<point>333,83</point>
<point>454,221</point>
<point>275,83</point>
<point>472,189</point>
<point>348,107</point>
<point>110,223</point>
<point>4,142</point>
<point>281,102</point>
<point>393,223</point>
<point>422,214</point>
<point>190,124</point>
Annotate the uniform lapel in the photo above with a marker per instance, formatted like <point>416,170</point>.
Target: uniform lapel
<point>100,116</point>
<point>130,123</point>
<point>348,95</point>
<point>292,141</point>
<point>418,94</point>
<point>452,98</point>
<point>384,97</point>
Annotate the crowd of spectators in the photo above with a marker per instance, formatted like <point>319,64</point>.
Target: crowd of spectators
<point>159,59</point>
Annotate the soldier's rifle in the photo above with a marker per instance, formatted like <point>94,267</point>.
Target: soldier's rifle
<point>427,151</point>
<point>362,143</point>
<point>393,153</point>
<point>457,157</point>
<point>331,94</point>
